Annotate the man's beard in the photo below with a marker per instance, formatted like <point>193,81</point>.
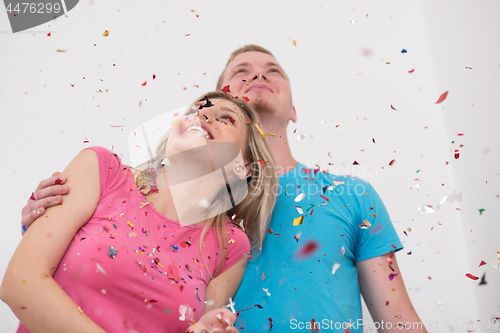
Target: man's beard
<point>263,107</point>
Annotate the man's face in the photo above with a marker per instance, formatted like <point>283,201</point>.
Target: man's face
<point>259,77</point>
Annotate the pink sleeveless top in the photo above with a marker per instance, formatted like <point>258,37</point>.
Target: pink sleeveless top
<point>131,269</point>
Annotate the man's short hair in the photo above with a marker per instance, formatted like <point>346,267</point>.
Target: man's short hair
<point>246,48</point>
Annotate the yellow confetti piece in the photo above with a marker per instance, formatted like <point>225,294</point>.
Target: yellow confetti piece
<point>365,225</point>
<point>262,135</point>
<point>130,224</point>
<point>132,234</point>
<point>106,33</point>
<point>80,310</point>
<point>298,220</point>
<point>61,51</point>
<point>294,43</point>
<point>373,214</point>
<point>122,214</point>
<point>23,281</point>
<point>232,241</point>
<point>160,265</point>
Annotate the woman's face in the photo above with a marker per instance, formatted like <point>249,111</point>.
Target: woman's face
<point>221,122</point>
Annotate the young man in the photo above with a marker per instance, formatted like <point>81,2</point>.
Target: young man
<point>330,236</point>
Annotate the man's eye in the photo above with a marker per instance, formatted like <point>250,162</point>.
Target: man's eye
<point>191,111</point>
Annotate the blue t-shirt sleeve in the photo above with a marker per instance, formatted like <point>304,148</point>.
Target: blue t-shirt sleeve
<point>381,237</point>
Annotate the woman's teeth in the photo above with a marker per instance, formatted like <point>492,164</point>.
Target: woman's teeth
<point>201,130</point>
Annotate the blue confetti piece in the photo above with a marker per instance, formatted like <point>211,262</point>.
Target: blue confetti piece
<point>174,247</point>
<point>24,228</point>
<point>404,51</point>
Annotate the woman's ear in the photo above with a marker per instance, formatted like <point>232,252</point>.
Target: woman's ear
<point>243,171</point>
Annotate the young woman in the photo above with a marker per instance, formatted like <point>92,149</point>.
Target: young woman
<point>112,259</point>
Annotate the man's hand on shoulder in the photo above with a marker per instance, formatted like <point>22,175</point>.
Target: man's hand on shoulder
<point>48,193</point>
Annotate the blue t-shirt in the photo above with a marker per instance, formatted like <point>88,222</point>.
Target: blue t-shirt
<point>307,267</point>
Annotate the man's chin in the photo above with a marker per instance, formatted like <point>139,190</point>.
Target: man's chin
<point>262,106</point>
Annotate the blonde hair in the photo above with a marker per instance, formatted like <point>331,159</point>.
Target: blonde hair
<point>256,209</point>
<point>246,48</point>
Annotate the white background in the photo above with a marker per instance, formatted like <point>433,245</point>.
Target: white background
<point>346,69</point>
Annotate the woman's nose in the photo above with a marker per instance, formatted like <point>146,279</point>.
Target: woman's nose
<point>206,116</point>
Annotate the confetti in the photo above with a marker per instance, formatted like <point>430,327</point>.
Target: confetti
<point>392,162</point>
<point>226,89</point>
<point>392,276</point>
<point>411,70</point>
<point>470,276</point>
<point>457,154</point>
<point>404,51</point>
<point>112,252</point>
<point>270,322</point>
<point>481,210</point>
<point>32,196</point>
<point>262,135</point>
<point>301,136</point>
<point>335,267</point>
<point>173,273</point>
<point>80,310</point>
<point>442,97</point>
<point>342,250</point>
<point>49,34</point>
<point>100,269</point>
<point>300,197</point>
<point>106,33</point>
<point>261,162</point>
<point>144,84</point>
<point>483,281</point>
<point>392,107</point>
<point>299,209</point>
<point>365,225</point>
<point>481,263</point>
<point>308,249</point>
<point>294,43</point>
<point>246,98</point>
<point>298,220</point>
<point>297,236</point>
<point>61,51</point>
<point>425,209</point>
<point>314,326</point>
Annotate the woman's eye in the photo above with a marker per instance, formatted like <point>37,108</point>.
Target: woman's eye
<point>190,112</point>
<point>228,117</point>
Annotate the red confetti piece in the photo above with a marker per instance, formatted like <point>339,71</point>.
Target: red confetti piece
<point>261,162</point>
<point>314,327</point>
<point>173,273</point>
<point>72,85</point>
<point>231,119</point>
<point>32,196</point>
<point>226,89</point>
<point>187,35</point>
<point>386,303</point>
<point>307,171</point>
<point>392,162</point>
<point>481,263</point>
<point>246,98</point>
<point>457,154</point>
<point>270,231</point>
<point>373,139</point>
<point>442,97</point>
<point>49,34</point>
<point>392,107</point>
<point>355,163</point>
<point>154,76</point>
<point>86,141</point>
<point>411,70</point>
<point>312,210</point>
<point>144,84</point>
<point>307,249</point>
<point>470,276</point>
<point>249,122</point>
<point>271,321</point>
<point>346,330</point>
<point>429,278</point>
<point>460,134</point>
<point>324,197</point>
<point>263,276</point>
<point>394,246</point>
<point>58,181</point>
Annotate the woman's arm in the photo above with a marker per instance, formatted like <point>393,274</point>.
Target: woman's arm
<point>28,287</point>
<point>217,294</point>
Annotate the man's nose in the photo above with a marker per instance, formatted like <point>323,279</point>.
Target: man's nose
<point>257,75</point>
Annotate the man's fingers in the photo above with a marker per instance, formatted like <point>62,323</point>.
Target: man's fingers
<point>55,174</point>
<point>51,186</point>
<point>29,217</point>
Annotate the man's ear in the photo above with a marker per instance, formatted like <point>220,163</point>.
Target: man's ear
<point>293,117</point>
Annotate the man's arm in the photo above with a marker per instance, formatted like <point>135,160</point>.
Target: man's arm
<point>387,299</point>
<point>28,287</point>
<point>48,193</point>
